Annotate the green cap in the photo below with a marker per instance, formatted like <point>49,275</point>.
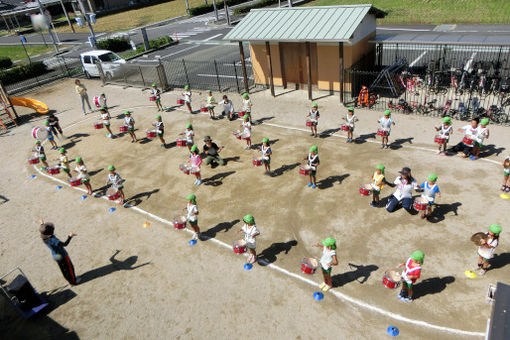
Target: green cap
<point>46,122</point>
<point>191,197</point>
<point>484,121</point>
<point>387,112</point>
<point>188,126</point>
<point>127,112</point>
<point>186,87</point>
<point>78,160</point>
<point>37,141</point>
<point>245,95</point>
<point>246,117</point>
<point>495,228</point>
<point>432,177</point>
<point>315,105</point>
<point>329,242</point>
<point>153,84</point>
<point>418,255</point>
<point>101,94</point>
<point>350,109</point>
<point>194,148</point>
<point>61,150</point>
<point>381,167</point>
<point>209,91</point>
<point>265,140</point>
<point>314,148</point>
<point>111,167</point>
<point>102,108</point>
<point>158,117</point>
<point>249,219</point>
<point>447,120</point>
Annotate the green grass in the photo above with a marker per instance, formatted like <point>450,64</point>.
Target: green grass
<point>18,53</point>
<point>435,11</point>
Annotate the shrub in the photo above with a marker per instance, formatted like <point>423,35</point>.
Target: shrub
<point>160,42</point>
<point>5,62</point>
<point>114,44</point>
<point>260,4</point>
<point>22,72</point>
<point>209,7</point>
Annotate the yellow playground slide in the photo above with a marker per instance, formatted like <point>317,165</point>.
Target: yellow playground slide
<point>38,106</point>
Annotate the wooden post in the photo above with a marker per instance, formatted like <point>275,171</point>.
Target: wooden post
<point>282,66</point>
<point>341,68</point>
<point>243,66</point>
<point>270,63</point>
<point>309,70</point>
<point>67,16</point>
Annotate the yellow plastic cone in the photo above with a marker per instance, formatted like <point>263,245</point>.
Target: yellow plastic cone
<point>146,225</point>
<point>470,274</point>
<point>504,196</point>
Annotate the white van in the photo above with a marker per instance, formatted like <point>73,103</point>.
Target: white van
<point>109,61</point>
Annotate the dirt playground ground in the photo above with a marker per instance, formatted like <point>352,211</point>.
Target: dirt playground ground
<point>148,283</point>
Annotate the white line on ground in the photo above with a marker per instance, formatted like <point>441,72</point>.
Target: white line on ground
<point>336,293</point>
<point>219,75</point>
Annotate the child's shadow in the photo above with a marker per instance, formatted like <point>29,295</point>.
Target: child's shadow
<point>363,138</point>
<point>137,199</point>
<point>328,133</point>
<point>217,179</point>
<point>397,143</point>
<point>268,255</point>
<point>441,210</point>
<point>360,271</point>
<point>211,233</point>
<point>329,181</point>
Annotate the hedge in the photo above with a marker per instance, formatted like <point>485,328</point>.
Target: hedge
<point>202,9</point>
<point>260,4</point>
<point>160,42</point>
<point>114,44</point>
<point>22,72</point>
<point>5,62</point>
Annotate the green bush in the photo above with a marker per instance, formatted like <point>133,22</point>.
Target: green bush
<point>202,9</point>
<point>260,4</point>
<point>22,72</point>
<point>5,62</point>
<point>114,44</point>
<point>160,42</point>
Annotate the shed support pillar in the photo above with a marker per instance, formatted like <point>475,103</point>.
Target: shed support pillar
<point>282,66</point>
<point>243,66</point>
<point>341,70</point>
<point>270,63</point>
<point>309,70</point>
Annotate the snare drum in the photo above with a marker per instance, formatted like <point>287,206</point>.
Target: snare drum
<point>391,278</point>
<point>241,114</point>
<point>112,194</point>
<point>184,168</point>
<point>468,140</point>
<point>305,170</point>
<point>244,137</point>
<point>365,189</point>
<point>439,139</point>
<point>237,134</point>
<point>152,98</point>
<point>53,170</point>
<point>75,181</point>
<point>33,160</point>
<point>345,128</point>
<point>98,125</point>
<point>194,171</point>
<point>180,101</point>
<point>39,133</point>
<point>420,203</point>
<point>96,101</point>
<point>124,128</point>
<point>203,109</point>
<point>309,122</point>
<point>382,133</point>
<point>179,222</point>
<point>151,133</point>
<point>181,142</point>
<point>239,247</point>
<point>257,161</point>
<point>309,265</point>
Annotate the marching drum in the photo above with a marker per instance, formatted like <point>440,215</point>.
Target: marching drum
<point>305,169</point>
<point>241,114</point>
<point>180,101</point>
<point>440,139</point>
<point>152,98</point>
<point>244,137</point>
<point>468,140</point>
<point>53,170</point>
<point>257,161</point>
<point>391,278</point>
<point>181,142</point>
<point>75,181</point>
<point>382,133</point>
<point>309,265</point>
<point>239,247</point>
<point>151,133</point>
<point>184,168</point>
<point>112,194</point>
<point>39,133</point>
<point>365,189</point>
<point>96,101</point>
<point>98,125</point>
<point>124,128</point>
<point>345,127</point>
<point>421,203</point>
<point>309,122</point>
<point>33,160</point>
<point>179,222</point>
<point>203,109</point>
<point>194,170</point>
<point>237,134</point>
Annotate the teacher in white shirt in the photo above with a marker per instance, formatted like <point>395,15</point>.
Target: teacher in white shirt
<point>404,194</point>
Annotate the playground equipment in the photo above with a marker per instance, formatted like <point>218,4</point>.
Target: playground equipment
<point>7,112</point>
<point>35,104</point>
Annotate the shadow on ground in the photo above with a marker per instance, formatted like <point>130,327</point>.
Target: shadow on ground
<point>431,286</point>
<point>217,179</point>
<point>223,226</point>
<point>268,255</point>
<point>329,181</point>
<point>138,198</point>
<point>359,271</point>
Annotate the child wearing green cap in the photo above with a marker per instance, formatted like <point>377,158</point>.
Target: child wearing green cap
<point>386,122</point>
<point>64,162</point>
<point>265,149</point>
<point>410,274</point>
<point>377,184</point>
<point>160,130</point>
<point>130,122</point>
<point>186,94</point>
<point>470,132</point>
<point>51,137</point>
<point>430,190</point>
<point>487,248</point>
<point>314,118</point>
<point>189,134</point>
<point>246,126</point>
<point>506,175</point>
<point>328,259</point>
<point>210,104</point>
<point>350,119</point>
<point>81,170</point>
<point>482,133</point>
<point>116,181</point>
<point>247,105</point>
<point>39,152</point>
<point>156,93</point>
<point>191,217</point>
<point>445,129</point>
<point>250,233</point>
<point>196,161</point>
<point>102,101</point>
<point>313,163</point>
<point>105,116</point>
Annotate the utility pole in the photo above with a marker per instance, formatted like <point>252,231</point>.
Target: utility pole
<point>67,15</point>
<point>49,27</point>
<point>226,12</point>
<point>87,19</point>
<point>215,10</point>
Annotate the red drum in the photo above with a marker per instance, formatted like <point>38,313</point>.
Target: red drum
<point>181,142</point>
<point>391,278</point>
<point>53,170</point>
<point>179,222</point>
<point>420,203</point>
<point>239,247</point>
<point>151,133</point>
<point>203,109</point>
<point>112,194</point>
<point>304,170</point>
<point>98,125</point>
<point>184,168</point>
<point>257,161</point>
<point>34,132</point>
<point>467,140</point>
<point>382,133</point>
<point>33,160</point>
<point>74,181</point>
<point>180,101</point>
<point>152,98</point>
<point>39,133</point>
<point>309,122</point>
<point>439,139</point>
<point>345,128</point>
<point>195,171</point>
<point>365,189</point>
<point>244,137</point>
<point>96,101</point>
<point>309,265</point>
<point>123,128</point>
<point>237,134</point>
<point>241,114</point>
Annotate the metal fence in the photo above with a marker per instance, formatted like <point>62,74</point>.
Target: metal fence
<point>437,80</point>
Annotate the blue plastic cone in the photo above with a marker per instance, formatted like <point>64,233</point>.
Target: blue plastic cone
<point>111,209</point>
<point>248,266</point>
<point>32,176</point>
<point>318,296</point>
<point>83,197</point>
<point>59,187</point>
<point>393,331</point>
<point>192,242</point>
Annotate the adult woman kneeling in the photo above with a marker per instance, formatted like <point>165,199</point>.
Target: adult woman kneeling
<point>403,195</point>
